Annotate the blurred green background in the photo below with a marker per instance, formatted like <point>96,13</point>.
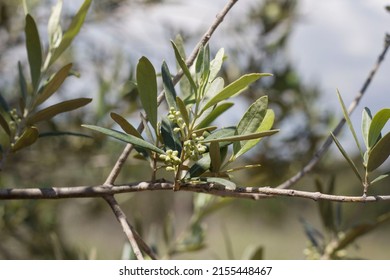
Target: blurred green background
<point>256,40</point>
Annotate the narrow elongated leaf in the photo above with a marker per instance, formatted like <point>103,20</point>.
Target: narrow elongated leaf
<point>63,133</point>
<point>22,82</point>
<point>379,178</point>
<point>251,120</point>
<point>346,156</point>
<point>170,138</point>
<point>126,138</point>
<point>249,136</point>
<point>4,125</point>
<point>54,84</point>
<point>222,133</point>
<point>130,129</point>
<point>199,61</point>
<point>229,185</point>
<point>169,88</point>
<point>366,123</point>
<point>199,167</point>
<point>214,114</point>
<point>379,153</point>
<point>28,137</point>
<point>265,125</point>
<point>72,31</point>
<point>216,64</point>
<point>3,103</point>
<point>147,88</point>
<point>185,87</point>
<point>348,120</point>
<point>34,50</point>
<point>215,156</point>
<point>58,108</point>
<point>214,87</point>
<point>200,131</point>
<point>377,124</point>
<point>183,66</point>
<point>183,110</point>
<point>125,125</point>
<point>54,27</point>
<point>234,88</point>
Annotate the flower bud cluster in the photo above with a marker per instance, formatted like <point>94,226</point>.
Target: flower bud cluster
<point>175,117</point>
<point>171,160</point>
<point>193,149</point>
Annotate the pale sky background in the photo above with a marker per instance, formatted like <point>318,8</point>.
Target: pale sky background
<point>334,44</point>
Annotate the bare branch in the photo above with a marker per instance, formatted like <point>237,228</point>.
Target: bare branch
<point>127,228</point>
<point>325,146</point>
<point>205,38</point>
<point>207,188</point>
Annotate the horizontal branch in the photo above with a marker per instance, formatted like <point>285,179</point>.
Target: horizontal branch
<point>208,188</point>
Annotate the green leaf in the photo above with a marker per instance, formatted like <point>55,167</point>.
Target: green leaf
<point>183,110</point>
<point>4,125</point>
<point>265,125</point>
<point>214,114</point>
<point>200,131</point>
<point>250,122</point>
<point>366,123</point>
<point>243,137</point>
<point>54,84</point>
<point>348,120</point>
<point>216,64</point>
<point>28,137</point>
<point>183,66</point>
<point>229,185</point>
<point>222,133</point>
<point>185,87</point>
<point>199,61</point>
<point>54,27</point>
<point>214,87</point>
<point>170,138</point>
<point>377,124</point>
<point>63,133</point>
<point>234,88</point>
<point>199,167</point>
<point>147,88</point>
<point>73,30</point>
<point>34,51</point>
<point>137,142</point>
<point>125,125</point>
<point>169,88</point>
<point>22,82</point>
<point>346,156</point>
<point>215,156</point>
<point>380,177</point>
<point>3,104</point>
<point>58,108</point>
<point>379,153</point>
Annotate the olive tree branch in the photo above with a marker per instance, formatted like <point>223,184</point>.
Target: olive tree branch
<point>104,191</point>
<point>205,38</point>
<point>127,150</point>
<point>325,146</point>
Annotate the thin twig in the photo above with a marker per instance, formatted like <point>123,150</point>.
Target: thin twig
<point>121,217</point>
<point>207,188</point>
<point>325,146</point>
<point>205,38</point>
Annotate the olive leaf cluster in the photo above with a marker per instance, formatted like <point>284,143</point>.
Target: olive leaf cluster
<point>184,139</point>
<point>377,146</point>
<point>19,124</point>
